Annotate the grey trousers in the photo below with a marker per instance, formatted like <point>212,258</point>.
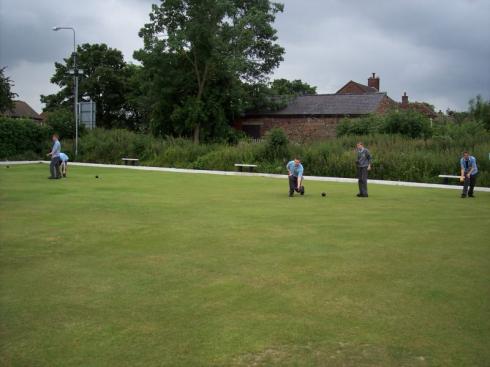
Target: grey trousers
<point>469,182</point>
<point>293,184</point>
<point>54,167</point>
<point>362,176</point>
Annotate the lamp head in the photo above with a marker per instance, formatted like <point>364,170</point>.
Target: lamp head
<point>56,28</point>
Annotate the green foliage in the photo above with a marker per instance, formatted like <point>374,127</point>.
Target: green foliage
<point>405,122</point>
<point>62,122</point>
<point>6,95</point>
<point>480,111</point>
<point>23,139</point>
<point>109,146</point>
<point>209,47</point>
<point>107,80</point>
<point>297,87</point>
<point>396,157</point>
<point>361,126</point>
<point>276,144</point>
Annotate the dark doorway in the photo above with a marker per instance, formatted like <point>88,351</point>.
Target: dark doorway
<point>252,130</point>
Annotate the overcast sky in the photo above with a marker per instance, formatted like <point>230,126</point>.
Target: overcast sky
<point>436,50</point>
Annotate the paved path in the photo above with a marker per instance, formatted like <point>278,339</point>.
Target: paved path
<point>232,173</point>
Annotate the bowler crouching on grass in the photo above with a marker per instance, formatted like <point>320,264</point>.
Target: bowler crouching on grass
<point>63,163</point>
<point>469,171</point>
<point>54,166</point>
<point>295,173</point>
<point>363,163</point>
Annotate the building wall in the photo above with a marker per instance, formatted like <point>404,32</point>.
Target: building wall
<point>385,105</point>
<point>297,129</point>
<point>303,128</point>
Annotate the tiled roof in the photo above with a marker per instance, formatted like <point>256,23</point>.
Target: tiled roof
<point>328,104</point>
<point>23,110</point>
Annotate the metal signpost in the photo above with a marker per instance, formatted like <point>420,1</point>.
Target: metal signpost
<point>86,114</point>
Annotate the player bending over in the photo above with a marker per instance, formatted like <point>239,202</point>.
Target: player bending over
<point>295,173</point>
<point>63,163</point>
<point>469,171</point>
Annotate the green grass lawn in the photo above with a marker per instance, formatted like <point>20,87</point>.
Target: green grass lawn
<point>156,269</point>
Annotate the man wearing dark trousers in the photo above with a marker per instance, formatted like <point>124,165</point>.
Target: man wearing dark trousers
<point>295,173</point>
<point>363,163</point>
<point>54,166</point>
<point>469,171</point>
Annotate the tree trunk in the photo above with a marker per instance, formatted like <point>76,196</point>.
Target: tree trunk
<point>197,129</point>
<point>201,82</point>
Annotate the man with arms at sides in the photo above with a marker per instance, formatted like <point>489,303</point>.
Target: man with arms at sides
<point>54,166</point>
<point>63,163</point>
<point>295,173</point>
<point>363,163</point>
<point>469,171</point>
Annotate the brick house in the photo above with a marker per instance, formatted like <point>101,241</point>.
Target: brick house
<point>311,117</point>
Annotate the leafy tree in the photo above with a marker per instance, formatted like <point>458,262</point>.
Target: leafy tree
<point>480,111</point>
<point>6,95</point>
<point>106,80</point>
<point>457,117</point>
<point>276,144</point>
<point>410,123</point>
<point>296,87</point>
<point>62,122</point>
<point>198,57</point>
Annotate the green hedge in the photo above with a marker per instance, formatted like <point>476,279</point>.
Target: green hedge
<point>396,157</point>
<point>23,139</point>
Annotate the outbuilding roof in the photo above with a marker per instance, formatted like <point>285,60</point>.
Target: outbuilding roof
<point>328,104</point>
<point>23,110</point>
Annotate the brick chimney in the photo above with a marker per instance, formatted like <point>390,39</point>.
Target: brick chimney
<point>404,100</point>
<point>373,81</point>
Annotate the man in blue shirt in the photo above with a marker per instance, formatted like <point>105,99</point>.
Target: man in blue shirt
<point>54,166</point>
<point>469,171</point>
<point>295,173</point>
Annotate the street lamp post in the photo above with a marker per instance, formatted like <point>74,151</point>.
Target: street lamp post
<point>75,80</point>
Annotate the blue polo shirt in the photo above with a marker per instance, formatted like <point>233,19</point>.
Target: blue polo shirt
<point>296,171</point>
<point>56,149</point>
<point>64,157</point>
<point>467,164</point>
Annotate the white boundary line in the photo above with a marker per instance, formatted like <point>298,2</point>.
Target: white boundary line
<point>268,175</point>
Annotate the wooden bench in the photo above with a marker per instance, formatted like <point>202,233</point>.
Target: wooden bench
<point>446,178</point>
<point>130,161</point>
<point>250,167</point>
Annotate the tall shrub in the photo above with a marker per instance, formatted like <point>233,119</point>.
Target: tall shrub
<point>276,144</point>
<point>409,123</point>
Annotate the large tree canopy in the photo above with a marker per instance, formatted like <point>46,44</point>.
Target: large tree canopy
<point>297,87</point>
<point>107,80</point>
<point>199,54</point>
<point>6,94</point>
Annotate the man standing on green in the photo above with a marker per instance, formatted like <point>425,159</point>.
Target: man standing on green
<point>363,163</point>
<point>469,171</point>
<point>54,166</point>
